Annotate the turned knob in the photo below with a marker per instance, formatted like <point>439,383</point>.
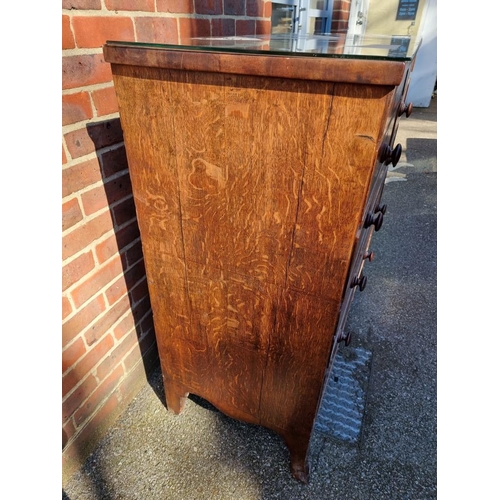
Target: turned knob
<point>346,338</point>
<point>388,155</point>
<point>375,220</point>
<point>405,109</point>
<point>369,255</point>
<point>381,208</point>
<point>359,282</point>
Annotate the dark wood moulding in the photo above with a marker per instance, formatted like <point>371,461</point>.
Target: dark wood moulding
<point>327,69</point>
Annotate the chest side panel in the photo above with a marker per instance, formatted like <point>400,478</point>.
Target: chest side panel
<point>249,191</point>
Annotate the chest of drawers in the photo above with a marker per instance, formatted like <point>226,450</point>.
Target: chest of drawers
<point>257,179</point>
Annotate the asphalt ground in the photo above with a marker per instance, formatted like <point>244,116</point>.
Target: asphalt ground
<point>202,454</point>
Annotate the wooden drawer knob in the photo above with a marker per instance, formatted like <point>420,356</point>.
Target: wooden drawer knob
<point>374,220</point>
<point>405,109</point>
<point>369,255</point>
<point>388,155</point>
<point>359,282</point>
<point>346,338</point>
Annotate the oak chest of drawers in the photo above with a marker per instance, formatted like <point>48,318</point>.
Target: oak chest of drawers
<point>257,178</point>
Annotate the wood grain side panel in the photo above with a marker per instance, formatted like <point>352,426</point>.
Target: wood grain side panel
<point>339,166</point>
<point>150,149</point>
<point>298,357</point>
<point>249,191</point>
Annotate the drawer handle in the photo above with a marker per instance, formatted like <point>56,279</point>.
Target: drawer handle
<point>374,220</point>
<point>405,109</point>
<point>359,282</point>
<point>369,255</point>
<point>346,338</point>
<point>388,155</point>
<point>381,208</point>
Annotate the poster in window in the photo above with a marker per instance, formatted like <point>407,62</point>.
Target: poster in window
<point>407,10</point>
<point>400,46</point>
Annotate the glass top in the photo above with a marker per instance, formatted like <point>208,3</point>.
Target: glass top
<point>381,47</point>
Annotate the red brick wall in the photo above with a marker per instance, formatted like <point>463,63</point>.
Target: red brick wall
<point>340,16</point>
<point>108,343</point>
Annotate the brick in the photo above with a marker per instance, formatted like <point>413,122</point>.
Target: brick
<point>116,356</point>
<point>80,176</point>
<point>106,249</point>
<point>68,41</point>
<point>140,309</point>
<point>135,274</point>
<point>73,353</point>
<point>133,358</point>
<point>94,200</point>
<point>94,31</point>
<point>106,322</point>
<point>147,325</point>
<point>124,326</point>
<point>105,101</point>
<point>339,25</point>
<point>124,212</point>
<point>67,309</point>
<point>111,192</point>
<point>245,27</point>
<point>140,291</point>
<point>85,69</point>
<point>76,108</point>
<point>72,402</point>
<point>234,8</point>
<point>262,27</point>
<point>127,235</point>
<point>143,313</point>
<point>85,234</point>
<point>135,5</point>
<point>134,254</point>
<point>77,269</point>
<point>156,29</point>
<point>342,16</point>
<point>69,381</point>
<point>82,4</point>
<point>146,360</point>
<point>93,357</point>
<point>93,137</point>
<point>102,393</point>
<point>268,10</point>
<point>68,431</point>
<point>126,283</point>
<point>223,27</point>
<point>113,161</point>
<point>72,327</point>
<point>344,5</point>
<point>71,214</point>
<point>175,6</point>
<point>117,290</point>
<point>189,27</point>
<point>213,7</point>
<point>117,241</point>
<point>147,341</point>
<point>255,8</point>
<point>96,282</point>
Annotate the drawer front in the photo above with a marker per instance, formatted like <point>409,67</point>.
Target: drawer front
<point>360,256</point>
<point>374,211</point>
<point>388,153</point>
